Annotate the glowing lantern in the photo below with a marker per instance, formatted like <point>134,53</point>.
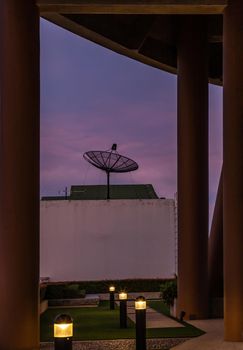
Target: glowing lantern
<point>140,303</point>
<point>63,332</point>
<point>112,289</point>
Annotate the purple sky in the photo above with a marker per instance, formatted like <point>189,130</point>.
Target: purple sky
<point>92,97</point>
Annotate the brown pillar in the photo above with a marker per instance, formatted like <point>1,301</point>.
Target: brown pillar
<point>215,257</point>
<point>215,249</point>
<point>192,167</point>
<point>19,175</point>
<point>233,170</point>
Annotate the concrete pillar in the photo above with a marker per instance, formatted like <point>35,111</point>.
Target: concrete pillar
<point>192,167</point>
<point>233,170</point>
<point>19,175</point>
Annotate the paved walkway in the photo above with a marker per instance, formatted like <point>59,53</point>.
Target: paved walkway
<point>212,340</point>
<point>154,319</point>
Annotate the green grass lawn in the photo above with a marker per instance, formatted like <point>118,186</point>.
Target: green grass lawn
<point>102,323</point>
<point>90,323</point>
<point>159,306</point>
<point>183,332</point>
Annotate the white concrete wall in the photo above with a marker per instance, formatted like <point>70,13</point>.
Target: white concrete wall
<point>116,239</point>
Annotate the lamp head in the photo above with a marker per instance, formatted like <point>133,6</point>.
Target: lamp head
<point>140,303</point>
<point>122,296</point>
<point>63,326</point>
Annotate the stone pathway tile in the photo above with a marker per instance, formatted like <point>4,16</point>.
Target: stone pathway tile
<point>154,319</point>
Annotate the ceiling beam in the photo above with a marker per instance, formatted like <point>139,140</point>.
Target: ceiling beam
<point>128,31</point>
<point>86,33</point>
<point>132,6</point>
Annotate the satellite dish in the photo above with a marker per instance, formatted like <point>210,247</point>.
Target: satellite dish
<point>111,162</point>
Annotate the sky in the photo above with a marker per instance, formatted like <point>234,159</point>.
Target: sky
<point>92,97</point>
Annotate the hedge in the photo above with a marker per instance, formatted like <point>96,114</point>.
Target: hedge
<point>60,290</point>
<point>43,288</point>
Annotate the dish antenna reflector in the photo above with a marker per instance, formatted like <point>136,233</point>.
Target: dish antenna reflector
<point>111,162</point>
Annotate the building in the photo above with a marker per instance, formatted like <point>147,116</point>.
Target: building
<point>86,237</point>
<point>188,57</point>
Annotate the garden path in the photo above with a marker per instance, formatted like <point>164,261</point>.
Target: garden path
<point>154,319</point>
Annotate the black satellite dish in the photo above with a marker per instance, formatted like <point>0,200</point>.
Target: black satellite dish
<point>111,162</point>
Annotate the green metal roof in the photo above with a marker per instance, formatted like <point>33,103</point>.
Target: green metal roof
<point>98,192</point>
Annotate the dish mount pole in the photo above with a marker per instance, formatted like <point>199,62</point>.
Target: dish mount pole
<point>108,184</point>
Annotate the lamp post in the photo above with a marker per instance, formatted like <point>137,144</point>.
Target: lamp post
<point>112,297</point>
<point>63,332</point>
<point>123,309</point>
<point>140,307</point>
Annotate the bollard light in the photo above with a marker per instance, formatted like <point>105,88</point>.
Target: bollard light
<point>140,303</point>
<point>123,309</point>
<point>63,332</point>
<point>140,308</point>
<point>122,296</point>
<point>112,297</point>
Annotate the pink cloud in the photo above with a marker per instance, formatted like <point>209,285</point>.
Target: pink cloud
<point>92,98</point>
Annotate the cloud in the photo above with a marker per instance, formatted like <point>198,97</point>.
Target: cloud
<point>92,98</point>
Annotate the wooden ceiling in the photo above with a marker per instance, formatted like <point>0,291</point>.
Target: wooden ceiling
<point>143,30</point>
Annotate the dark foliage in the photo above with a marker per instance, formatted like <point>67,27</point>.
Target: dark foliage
<point>61,290</point>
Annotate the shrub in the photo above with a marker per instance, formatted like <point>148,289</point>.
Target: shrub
<point>130,285</point>
<point>61,290</point>
<point>73,291</point>
<point>168,292</point>
<point>55,291</point>
<point>43,288</point>
<point>64,291</point>
<point>82,293</point>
